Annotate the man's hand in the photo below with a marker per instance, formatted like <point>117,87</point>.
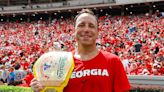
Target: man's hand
<point>36,85</point>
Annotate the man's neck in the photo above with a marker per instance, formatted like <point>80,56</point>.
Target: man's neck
<point>86,53</point>
<point>86,49</point>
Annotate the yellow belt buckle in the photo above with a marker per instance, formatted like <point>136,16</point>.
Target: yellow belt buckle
<point>42,59</point>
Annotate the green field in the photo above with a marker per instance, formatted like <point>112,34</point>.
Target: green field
<point>15,89</point>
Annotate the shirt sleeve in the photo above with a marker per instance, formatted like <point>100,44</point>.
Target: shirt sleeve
<point>121,82</point>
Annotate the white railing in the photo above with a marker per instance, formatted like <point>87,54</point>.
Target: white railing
<point>88,2</point>
<point>74,4</point>
<point>134,1</point>
<point>146,80</point>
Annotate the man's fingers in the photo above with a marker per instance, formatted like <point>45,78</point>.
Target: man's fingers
<point>34,79</point>
<point>36,86</point>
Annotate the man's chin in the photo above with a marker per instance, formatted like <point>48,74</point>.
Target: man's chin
<point>87,44</point>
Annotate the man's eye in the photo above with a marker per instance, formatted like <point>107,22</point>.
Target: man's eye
<point>80,25</point>
<point>92,26</point>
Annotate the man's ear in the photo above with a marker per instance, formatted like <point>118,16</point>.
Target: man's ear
<point>75,35</point>
<point>97,33</point>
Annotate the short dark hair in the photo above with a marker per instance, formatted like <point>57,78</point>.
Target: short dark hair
<point>17,66</point>
<point>85,11</point>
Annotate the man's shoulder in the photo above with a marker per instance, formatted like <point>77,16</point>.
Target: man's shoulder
<point>19,71</point>
<point>108,54</point>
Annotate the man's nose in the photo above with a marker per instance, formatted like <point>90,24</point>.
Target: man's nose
<point>86,28</point>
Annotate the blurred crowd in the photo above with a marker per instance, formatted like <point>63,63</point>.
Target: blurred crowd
<point>137,40</point>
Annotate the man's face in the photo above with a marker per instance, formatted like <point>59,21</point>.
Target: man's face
<point>86,29</point>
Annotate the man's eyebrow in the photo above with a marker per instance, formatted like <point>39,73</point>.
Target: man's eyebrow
<point>81,22</point>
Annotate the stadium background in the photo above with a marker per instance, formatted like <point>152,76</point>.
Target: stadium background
<point>28,28</point>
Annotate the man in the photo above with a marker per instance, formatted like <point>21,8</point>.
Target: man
<point>95,71</point>
<point>19,74</point>
<point>10,78</point>
<point>3,74</point>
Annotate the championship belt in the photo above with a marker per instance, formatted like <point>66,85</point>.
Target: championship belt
<point>53,70</point>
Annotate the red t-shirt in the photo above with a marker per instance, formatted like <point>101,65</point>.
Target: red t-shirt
<point>28,79</point>
<point>25,65</point>
<point>104,73</point>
